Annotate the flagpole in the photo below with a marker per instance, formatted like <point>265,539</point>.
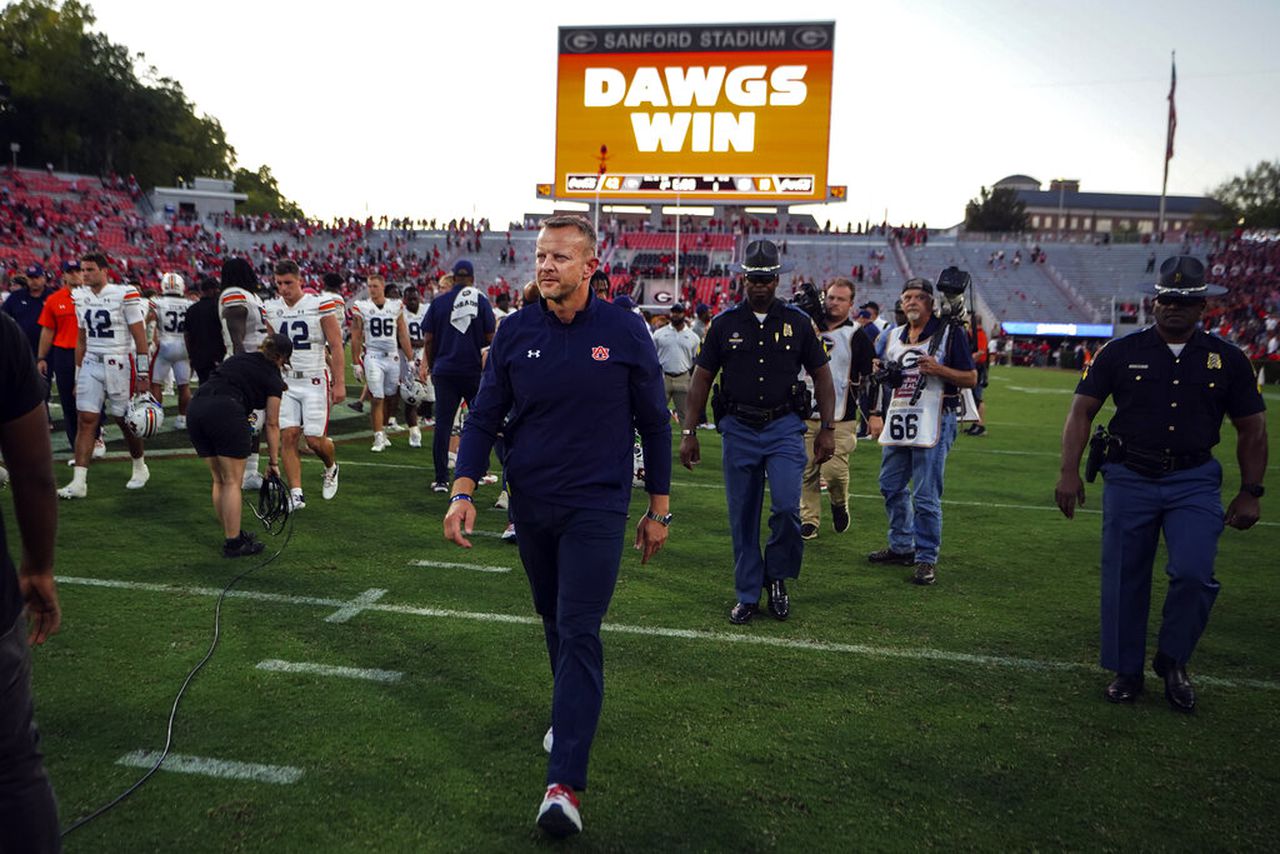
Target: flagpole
<point>1168,144</point>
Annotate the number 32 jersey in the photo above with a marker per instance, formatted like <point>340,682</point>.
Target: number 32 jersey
<point>301,322</point>
<point>105,317</point>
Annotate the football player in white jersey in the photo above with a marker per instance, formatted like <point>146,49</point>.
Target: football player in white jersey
<point>244,326</point>
<point>314,375</point>
<point>379,340</point>
<point>415,311</point>
<point>169,359</point>
<point>111,361</point>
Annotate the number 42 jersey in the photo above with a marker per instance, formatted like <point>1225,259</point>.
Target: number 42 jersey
<point>301,322</point>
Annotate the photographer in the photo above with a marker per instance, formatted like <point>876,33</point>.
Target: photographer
<point>926,363</point>
<point>759,347</point>
<point>851,354</point>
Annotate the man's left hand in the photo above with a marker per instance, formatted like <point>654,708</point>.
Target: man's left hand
<point>337,390</point>
<point>824,446</point>
<point>650,537</point>
<point>1243,512</point>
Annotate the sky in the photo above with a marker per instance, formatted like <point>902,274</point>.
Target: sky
<point>444,110</point>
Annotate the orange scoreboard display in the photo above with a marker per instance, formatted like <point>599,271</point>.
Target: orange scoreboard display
<point>715,112</point>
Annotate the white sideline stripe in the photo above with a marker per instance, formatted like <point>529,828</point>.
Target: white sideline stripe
<point>444,564</point>
<point>1026,390</point>
<point>206,767</point>
<point>918,654</point>
<point>371,674</point>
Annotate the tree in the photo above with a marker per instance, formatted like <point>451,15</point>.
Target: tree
<point>264,194</point>
<point>76,101</point>
<point>1252,199</point>
<point>996,211</point>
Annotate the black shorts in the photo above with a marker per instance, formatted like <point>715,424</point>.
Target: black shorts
<point>218,427</point>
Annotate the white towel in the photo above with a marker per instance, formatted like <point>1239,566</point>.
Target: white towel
<point>465,308</point>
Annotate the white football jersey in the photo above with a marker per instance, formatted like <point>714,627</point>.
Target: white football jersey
<point>379,324</point>
<point>255,327</point>
<point>105,317</point>
<point>301,322</point>
<point>171,317</point>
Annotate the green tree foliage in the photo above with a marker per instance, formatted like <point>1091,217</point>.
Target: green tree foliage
<point>76,101</point>
<point>264,194</point>
<point>996,211</point>
<point>1252,199</point>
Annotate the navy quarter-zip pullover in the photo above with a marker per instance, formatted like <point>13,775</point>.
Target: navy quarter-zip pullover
<point>576,394</point>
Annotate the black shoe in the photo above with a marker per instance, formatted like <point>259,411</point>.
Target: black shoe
<point>1125,688</point>
<point>1177,686</point>
<point>779,601</point>
<point>840,517</point>
<point>808,531</point>
<point>355,406</point>
<point>977,430</point>
<point>890,556</point>
<point>925,574</point>
<point>242,546</point>
<point>743,612</point>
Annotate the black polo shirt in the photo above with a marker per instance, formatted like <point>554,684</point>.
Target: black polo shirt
<point>760,361</point>
<point>205,346</point>
<point>21,390</point>
<point>1172,403</point>
<point>249,378</point>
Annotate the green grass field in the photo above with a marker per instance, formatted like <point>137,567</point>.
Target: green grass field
<point>881,716</point>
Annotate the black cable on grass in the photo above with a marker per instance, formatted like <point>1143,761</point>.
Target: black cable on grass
<point>273,511</point>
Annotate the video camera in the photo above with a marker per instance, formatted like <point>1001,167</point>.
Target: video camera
<point>808,299</point>
<point>951,285</point>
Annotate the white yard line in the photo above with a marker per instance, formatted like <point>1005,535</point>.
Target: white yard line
<point>866,650</point>
<point>444,564</point>
<point>206,767</point>
<point>355,606</point>
<point>370,674</point>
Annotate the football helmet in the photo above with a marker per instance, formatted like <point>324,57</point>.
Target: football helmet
<point>173,284</point>
<point>413,391</point>
<point>144,416</point>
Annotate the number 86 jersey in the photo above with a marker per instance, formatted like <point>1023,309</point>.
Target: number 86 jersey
<point>301,323</point>
<point>105,316</point>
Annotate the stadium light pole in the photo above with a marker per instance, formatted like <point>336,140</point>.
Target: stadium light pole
<point>678,291</point>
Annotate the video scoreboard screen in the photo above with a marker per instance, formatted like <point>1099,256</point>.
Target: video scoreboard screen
<point>714,113</point>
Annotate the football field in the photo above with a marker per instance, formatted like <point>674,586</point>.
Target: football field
<point>378,689</point>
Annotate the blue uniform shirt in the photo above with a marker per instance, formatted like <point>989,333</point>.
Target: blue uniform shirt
<point>25,309</point>
<point>454,352</point>
<point>1172,403</point>
<point>577,393</point>
<point>760,361</point>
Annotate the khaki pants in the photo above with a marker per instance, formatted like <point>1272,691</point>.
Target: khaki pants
<point>677,391</point>
<point>834,471</point>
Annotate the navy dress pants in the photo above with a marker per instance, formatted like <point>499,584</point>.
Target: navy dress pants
<point>451,390</point>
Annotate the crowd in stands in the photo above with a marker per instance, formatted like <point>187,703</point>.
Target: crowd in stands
<point>1249,266</point>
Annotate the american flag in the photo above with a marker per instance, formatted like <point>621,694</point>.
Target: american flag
<point>1173,115</point>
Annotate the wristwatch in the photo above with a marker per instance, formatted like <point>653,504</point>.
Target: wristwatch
<point>688,432</point>
<point>1255,489</point>
<point>826,426</point>
<point>664,521</point>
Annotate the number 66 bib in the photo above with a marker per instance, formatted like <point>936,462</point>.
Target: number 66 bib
<point>913,417</point>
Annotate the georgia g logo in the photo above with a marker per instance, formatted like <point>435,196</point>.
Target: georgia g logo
<point>600,354</point>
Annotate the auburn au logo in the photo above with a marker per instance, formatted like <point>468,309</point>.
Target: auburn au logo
<point>600,354</point>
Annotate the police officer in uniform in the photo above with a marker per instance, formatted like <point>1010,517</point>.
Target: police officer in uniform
<point>760,346</point>
<point>1171,384</point>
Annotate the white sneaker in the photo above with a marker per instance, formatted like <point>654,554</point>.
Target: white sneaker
<point>394,426</point>
<point>180,423</point>
<point>453,459</point>
<point>252,481</point>
<point>415,437</point>
<point>71,462</point>
<point>509,535</point>
<point>74,490</point>
<point>330,487</point>
<point>548,740</point>
<point>503,500</point>
<point>380,442</point>
<point>99,449</point>
<point>140,477</point>
<point>559,814</point>
<point>440,487</point>
<point>4,475</point>
<point>706,425</point>
<point>488,479</point>
<point>296,502</point>
<point>428,422</point>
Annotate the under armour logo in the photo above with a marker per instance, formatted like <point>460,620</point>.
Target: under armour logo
<point>533,354</point>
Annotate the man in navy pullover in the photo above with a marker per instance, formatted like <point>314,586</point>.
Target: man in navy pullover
<point>574,377</point>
